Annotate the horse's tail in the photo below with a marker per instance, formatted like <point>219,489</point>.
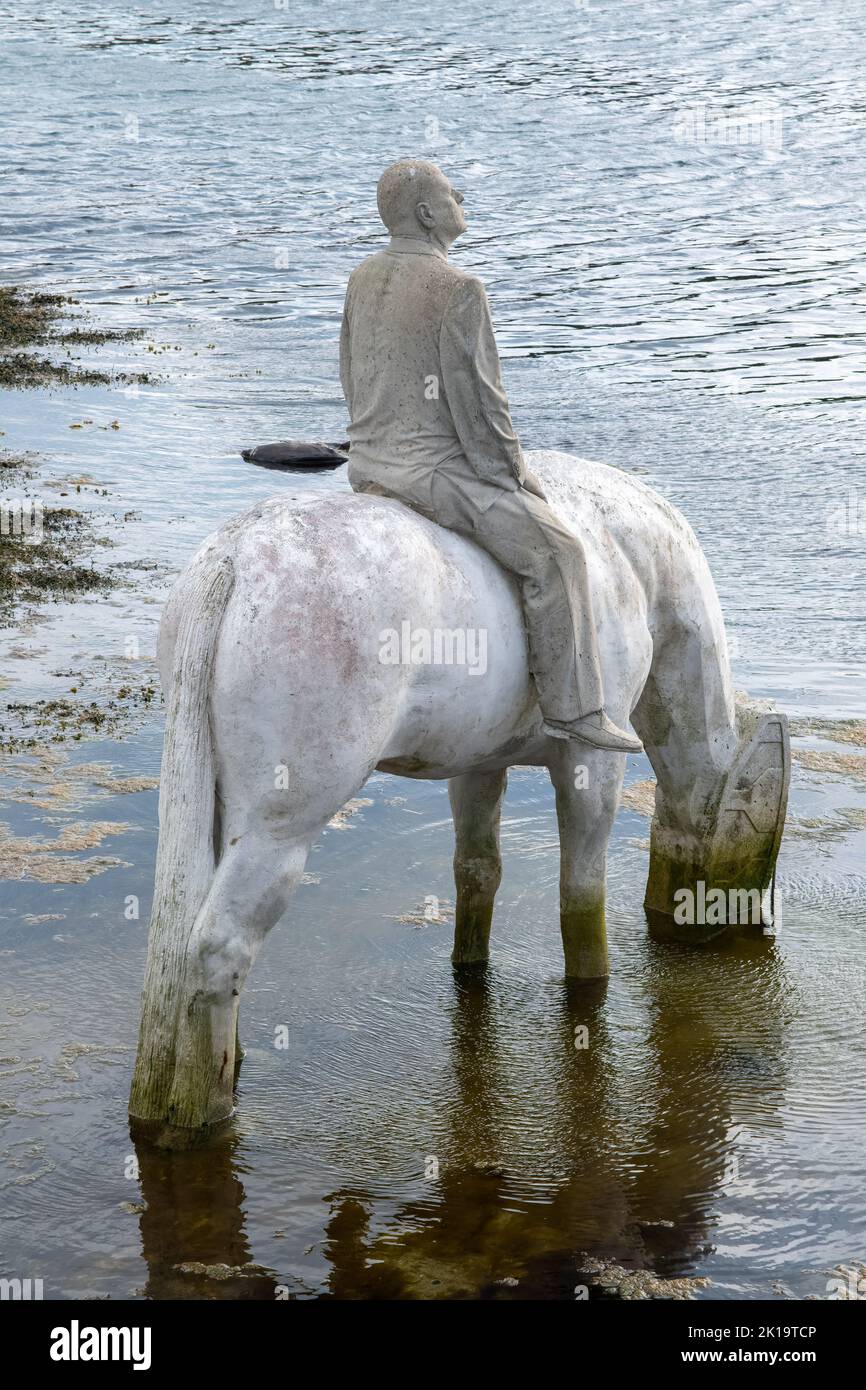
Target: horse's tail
<point>185,860</point>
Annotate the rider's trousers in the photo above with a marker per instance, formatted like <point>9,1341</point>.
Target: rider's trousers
<point>524,535</point>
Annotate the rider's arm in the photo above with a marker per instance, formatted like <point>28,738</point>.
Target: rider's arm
<point>473,387</point>
<point>345,357</point>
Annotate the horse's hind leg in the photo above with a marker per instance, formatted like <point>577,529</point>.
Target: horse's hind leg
<point>251,890</point>
<point>476,802</point>
<point>587,782</point>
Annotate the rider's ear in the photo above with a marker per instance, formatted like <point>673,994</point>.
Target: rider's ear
<point>424,214</point>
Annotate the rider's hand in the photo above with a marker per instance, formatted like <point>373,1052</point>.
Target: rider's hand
<point>531,483</point>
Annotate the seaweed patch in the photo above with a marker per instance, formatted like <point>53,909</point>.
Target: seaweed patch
<point>30,328</point>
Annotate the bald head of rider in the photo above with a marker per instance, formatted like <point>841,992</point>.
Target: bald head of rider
<point>415,199</point>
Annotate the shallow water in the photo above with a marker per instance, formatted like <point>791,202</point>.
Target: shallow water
<point>692,312</point>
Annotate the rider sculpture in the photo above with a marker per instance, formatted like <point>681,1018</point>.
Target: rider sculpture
<point>279,706</point>
<point>430,426</point>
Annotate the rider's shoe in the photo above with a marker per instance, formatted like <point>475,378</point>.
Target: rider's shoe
<point>596,729</point>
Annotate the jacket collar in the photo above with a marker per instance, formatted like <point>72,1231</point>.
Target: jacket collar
<point>413,246</point>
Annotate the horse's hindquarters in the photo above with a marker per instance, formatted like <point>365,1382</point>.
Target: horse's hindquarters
<point>360,634</point>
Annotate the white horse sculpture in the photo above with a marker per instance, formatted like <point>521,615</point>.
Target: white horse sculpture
<point>280,705</point>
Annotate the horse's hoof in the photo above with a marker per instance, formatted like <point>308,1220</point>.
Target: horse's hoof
<point>161,1134</point>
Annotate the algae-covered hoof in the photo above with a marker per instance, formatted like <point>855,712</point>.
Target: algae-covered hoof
<point>584,941</point>
<point>697,888</point>
<point>160,1134</point>
<point>472,929</point>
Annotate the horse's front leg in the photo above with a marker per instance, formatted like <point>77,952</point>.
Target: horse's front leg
<point>588,782</point>
<point>476,802</point>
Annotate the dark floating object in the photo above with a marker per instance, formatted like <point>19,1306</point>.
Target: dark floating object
<point>292,454</point>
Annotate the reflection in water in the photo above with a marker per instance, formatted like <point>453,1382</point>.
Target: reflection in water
<point>192,1231</point>
<point>638,1196</point>
<point>638,1184</point>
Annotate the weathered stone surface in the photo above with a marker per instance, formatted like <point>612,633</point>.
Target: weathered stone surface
<point>270,652</point>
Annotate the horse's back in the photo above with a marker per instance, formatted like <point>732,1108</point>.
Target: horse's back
<point>355,611</point>
<point>354,615</point>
